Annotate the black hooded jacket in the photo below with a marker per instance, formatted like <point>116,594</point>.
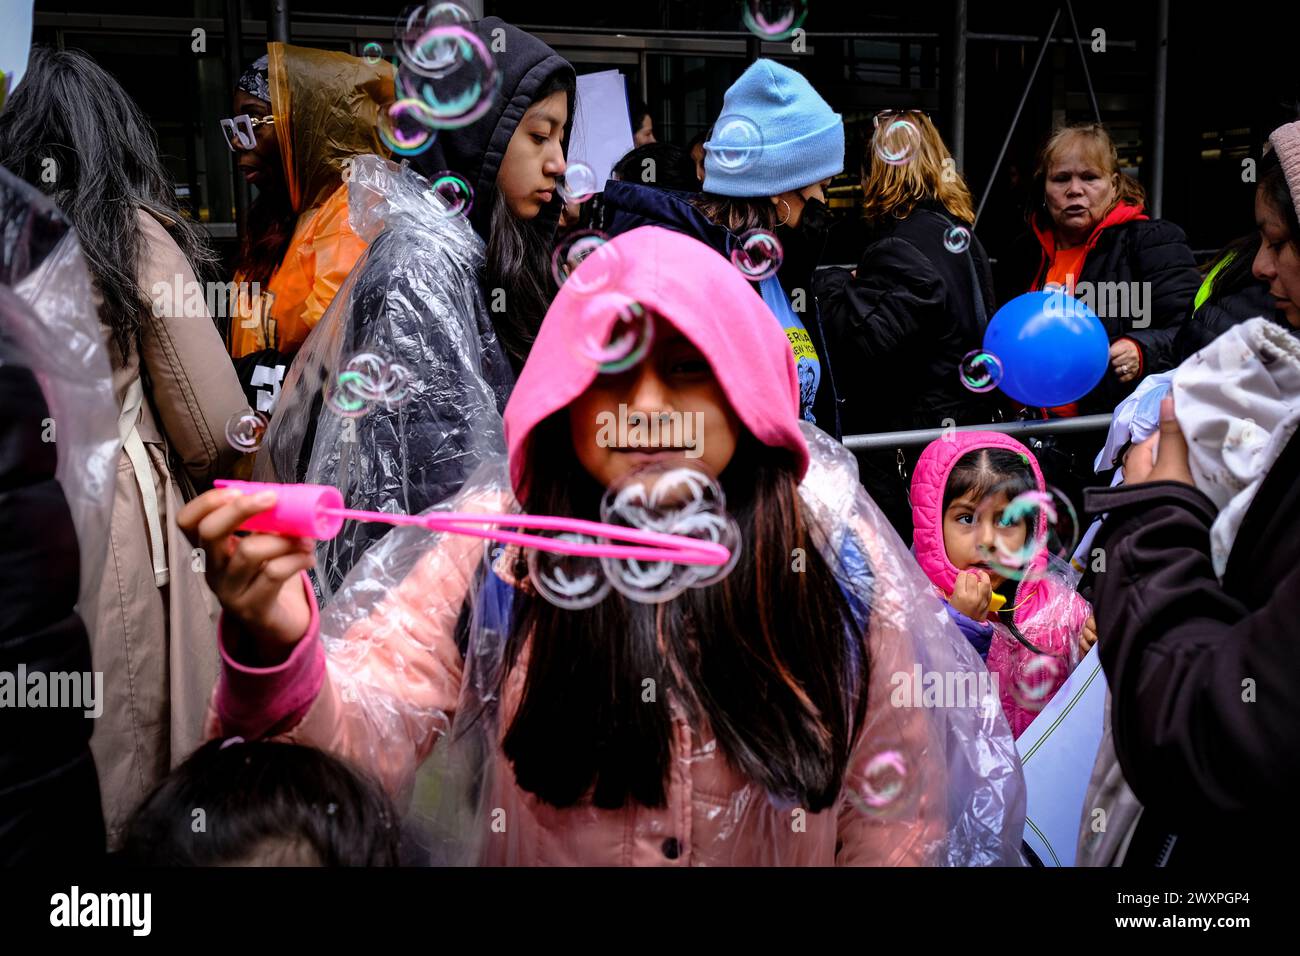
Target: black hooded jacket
<point>415,295</point>
<point>475,151</point>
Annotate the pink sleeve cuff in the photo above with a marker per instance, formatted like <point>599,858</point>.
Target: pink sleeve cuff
<point>255,702</point>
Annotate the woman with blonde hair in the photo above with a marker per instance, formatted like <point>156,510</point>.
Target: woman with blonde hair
<point>1088,226</point>
<point>917,303</point>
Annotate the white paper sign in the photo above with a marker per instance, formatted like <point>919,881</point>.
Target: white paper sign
<point>1058,751</point>
<point>602,131</point>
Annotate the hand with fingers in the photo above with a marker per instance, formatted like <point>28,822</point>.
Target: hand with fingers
<point>1125,359</point>
<point>971,594</point>
<point>1163,456</point>
<point>254,576</point>
<point>1088,636</point>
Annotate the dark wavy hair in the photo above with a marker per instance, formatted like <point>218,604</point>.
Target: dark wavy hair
<point>769,659</point>
<point>519,258</point>
<point>106,168</point>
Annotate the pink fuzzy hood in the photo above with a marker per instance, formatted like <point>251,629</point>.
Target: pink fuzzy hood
<point>930,478</point>
<point>704,297</point>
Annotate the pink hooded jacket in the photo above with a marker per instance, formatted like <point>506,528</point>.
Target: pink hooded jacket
<point>384,678</point>
<point>1048,611</point>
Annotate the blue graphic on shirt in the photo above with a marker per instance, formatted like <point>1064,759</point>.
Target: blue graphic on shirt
<point>810,366</point>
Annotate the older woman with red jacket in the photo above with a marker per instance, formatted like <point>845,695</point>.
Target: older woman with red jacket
<point>1090,226</point>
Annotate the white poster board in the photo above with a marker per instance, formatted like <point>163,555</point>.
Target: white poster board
<point>602,131</point>
<point>1058,751</point>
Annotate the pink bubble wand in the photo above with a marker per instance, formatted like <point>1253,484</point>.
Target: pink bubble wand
<point>316,511</point>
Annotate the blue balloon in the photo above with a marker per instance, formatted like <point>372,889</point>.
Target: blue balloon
<point>1053,348</point>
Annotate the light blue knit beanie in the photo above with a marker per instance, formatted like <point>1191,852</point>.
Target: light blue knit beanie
<point>775,134</point>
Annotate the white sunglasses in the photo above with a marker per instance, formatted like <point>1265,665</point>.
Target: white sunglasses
<point>241,131</point>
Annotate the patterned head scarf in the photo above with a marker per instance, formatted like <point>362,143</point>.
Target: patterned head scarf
<point>254,81</point>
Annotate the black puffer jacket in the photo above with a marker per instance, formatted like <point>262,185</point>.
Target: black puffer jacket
<point>900,329</point>
<point>1128,251</point>
<point>1202,673</point>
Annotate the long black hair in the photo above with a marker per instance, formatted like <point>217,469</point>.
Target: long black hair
<point>72,131</point>
<point>984,473</point>
<point>519,259</point>
<point>769,658</point>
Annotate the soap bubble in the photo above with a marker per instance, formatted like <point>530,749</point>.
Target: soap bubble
<point>757,255</point>
<point>456,195</point>
<point>453,95</point>
<point>669,497</point>
<point>578,184</point>
<point>736,144</point>
<point>625,344</point>
<point>774,19</point>
<point>430,56</point>
<point>1035,678</point>
<point>887,786</point>
<point>246,429</point>
<point>590,248</point>
<point>405,127</point>
<point>569,581</point>
<point>365,381</point>
<point>956,239</point>
<point>372,53</point>
<point>1030,529</point>
<point>896,142</point>
<point>980,371</point>
<point>884,779</point>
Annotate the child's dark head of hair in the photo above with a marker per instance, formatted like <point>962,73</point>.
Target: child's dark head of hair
<point>989,471</point>
<point>661,165</point>
<point>238,803</point>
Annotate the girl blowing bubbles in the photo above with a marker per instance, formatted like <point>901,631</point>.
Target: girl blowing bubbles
<point>979,528</point>
<point>746,721</point>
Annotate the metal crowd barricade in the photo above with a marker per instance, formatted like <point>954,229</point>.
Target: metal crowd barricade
<point>1021,430</point>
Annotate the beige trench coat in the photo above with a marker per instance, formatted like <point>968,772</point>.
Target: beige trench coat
<point>155,643</point>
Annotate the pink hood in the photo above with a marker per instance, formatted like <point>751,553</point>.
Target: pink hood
<point>705,298</point>
<point>930,478</point>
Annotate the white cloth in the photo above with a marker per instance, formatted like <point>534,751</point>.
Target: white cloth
<point>1238,403</point>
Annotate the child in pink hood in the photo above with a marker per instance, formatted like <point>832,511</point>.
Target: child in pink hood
<point>980,533</point>
<point>745,722</point>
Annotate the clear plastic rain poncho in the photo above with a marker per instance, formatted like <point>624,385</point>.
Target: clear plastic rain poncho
<point>49,324</point>
<point>396,396</point>
<point>414,643</point>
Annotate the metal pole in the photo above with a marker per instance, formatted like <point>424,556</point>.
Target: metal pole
<point>1083,60</point>
<point>993,176</point>
<point>958,144</point>
<point>1022,430</point>
<point>234,51</point>
<point>1158,120</point>
<point>278,22</point>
